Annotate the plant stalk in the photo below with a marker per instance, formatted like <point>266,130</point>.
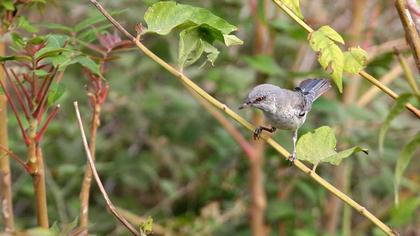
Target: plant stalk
<point>87,180</point>
<point>5,174</point>
<point>37,171</point>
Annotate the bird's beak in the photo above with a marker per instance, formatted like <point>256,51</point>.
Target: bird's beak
<point>243,106</point>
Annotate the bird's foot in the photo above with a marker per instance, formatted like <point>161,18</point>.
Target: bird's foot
<point>257,133</point>
<point>292,159</point>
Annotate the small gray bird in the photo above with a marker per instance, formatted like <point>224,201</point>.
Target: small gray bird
<point>285,109</point>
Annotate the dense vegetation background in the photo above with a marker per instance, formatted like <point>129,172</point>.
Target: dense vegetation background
<point>161,154</point>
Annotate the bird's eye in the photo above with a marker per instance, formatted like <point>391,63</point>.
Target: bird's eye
<point>301,114</point>
<point>259,99</point>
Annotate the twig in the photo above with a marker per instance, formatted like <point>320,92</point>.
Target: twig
<point>109,204</point>
<point>411,33</point>
<point>187,82</point>
<point>407,72</point>
<point>14,156</point>
<point>362,73</point>
<point>390,76</point>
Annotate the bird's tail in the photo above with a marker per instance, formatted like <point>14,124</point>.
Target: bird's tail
<point>313,88</point>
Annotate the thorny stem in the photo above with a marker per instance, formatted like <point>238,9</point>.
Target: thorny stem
<point>189,83</point>
<point>362,73</point>
<point>109,204</point>
<point>87,179</point>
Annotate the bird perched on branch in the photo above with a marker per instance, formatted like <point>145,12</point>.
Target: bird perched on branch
<point>285,109</point>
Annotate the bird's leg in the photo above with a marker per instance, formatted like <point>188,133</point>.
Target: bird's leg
<point>292,157</point>
<point>258,131</point>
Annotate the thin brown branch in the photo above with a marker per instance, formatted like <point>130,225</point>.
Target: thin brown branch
<point>14,156</point>
<point>87,179</point>
<point>371,93</point>
<point>411,33</point>
<point>407,72</point>
<point>109,204</point>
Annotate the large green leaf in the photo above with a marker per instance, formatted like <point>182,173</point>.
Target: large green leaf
<point>199,28</point>
<point>8,5</point>
<point>319,146</point>
<point>396,109</point>
<point>330,55</point>
<point>294,6</point>
<point>355,60</point>
<point>403,160</point>
<point>164,16</point>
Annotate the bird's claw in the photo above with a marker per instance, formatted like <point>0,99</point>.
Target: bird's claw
<point>292,159</point>
<point>257,133</point>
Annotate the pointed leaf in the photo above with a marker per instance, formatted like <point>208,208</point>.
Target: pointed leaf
<point>403,160</point>
<point>330,55</point>
<point>88,63</point>
<point>24,24</point>
<point>232,40</point>
<point>164,16</point>
<point>355,60</point>
<point>337,158</point>
<point>396,109</point>
<point>294,6</point>
<point>331,33</point>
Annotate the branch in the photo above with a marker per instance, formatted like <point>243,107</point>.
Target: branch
<point>187,82</point>
<point>411,33</point>
<point>14,156</point>
<point>362,73</point>
<point>109,204</point>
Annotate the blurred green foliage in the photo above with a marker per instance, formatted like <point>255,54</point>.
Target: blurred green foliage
<point>160,154</point>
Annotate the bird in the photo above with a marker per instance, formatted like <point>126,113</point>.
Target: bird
<point>285,109</point>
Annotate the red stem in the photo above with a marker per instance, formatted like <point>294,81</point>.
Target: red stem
<point>15,157</point>
<point>41,132</point>
<point>24,90</point>
<point>9,99</point>
<point>18,94</point>
<point>37,113</point>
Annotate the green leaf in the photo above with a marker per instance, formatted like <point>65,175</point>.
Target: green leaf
<point>294,6</point>
<point>54,26</point>
<point>53,47</point>
<point>8,5</point>
<point>18,40</point>
<point>146,227</point>
<point>212,52</point>
<point>315,146</point>
<point>55,92</point>
<point>330,55</point>
<point>24,24</point>
<point>402,163</point>
<point>232,40</point>
<point>319,146</point>
<point>337,158</point>
<point>355,60</point>
<point>190,46</point>
<point>162,17</point>
<point>403,213</point>
<point>396,109</point>
<point>331,34</point>
<point>264,64</point>
<point>89,64</point>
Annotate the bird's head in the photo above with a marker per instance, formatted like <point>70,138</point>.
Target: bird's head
<point>261,97</point>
